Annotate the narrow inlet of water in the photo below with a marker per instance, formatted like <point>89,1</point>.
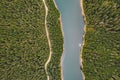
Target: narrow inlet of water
<point>73,29</point>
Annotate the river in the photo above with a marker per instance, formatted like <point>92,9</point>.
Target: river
<point>73,29</point>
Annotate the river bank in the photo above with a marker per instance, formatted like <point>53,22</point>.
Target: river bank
<point>63,51</point>
<point>84,17</point>
<point>63,37</point>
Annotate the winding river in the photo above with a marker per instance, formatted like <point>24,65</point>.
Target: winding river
<point>73,29</point>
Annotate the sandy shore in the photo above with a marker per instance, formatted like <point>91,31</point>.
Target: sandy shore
<point>84,17</point>
<point>63,49</point>
<point>63,37</point>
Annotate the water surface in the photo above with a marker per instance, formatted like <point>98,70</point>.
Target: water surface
<point>72,22</point>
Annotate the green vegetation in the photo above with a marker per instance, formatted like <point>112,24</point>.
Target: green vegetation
<point>53,24</point>
<point>23,43</point>
<point>101,52</point>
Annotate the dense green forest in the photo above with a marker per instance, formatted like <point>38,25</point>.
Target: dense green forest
<point>101,52</point>
<point>23,42</point>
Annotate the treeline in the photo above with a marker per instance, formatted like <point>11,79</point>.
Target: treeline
<point>101,52</point>
<point>54,26</point>
<point>23,43</point>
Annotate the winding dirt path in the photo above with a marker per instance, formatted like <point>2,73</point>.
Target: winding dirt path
<point>49,42</point>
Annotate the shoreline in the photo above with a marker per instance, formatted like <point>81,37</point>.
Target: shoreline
<point>63,50</point>
<point>83,37</point>
<point>60,19</point>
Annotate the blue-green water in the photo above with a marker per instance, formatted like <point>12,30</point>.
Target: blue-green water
<point>73,25</point>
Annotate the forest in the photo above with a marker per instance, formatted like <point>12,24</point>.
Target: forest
<point>24,47</point>
<point>101,51</point>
